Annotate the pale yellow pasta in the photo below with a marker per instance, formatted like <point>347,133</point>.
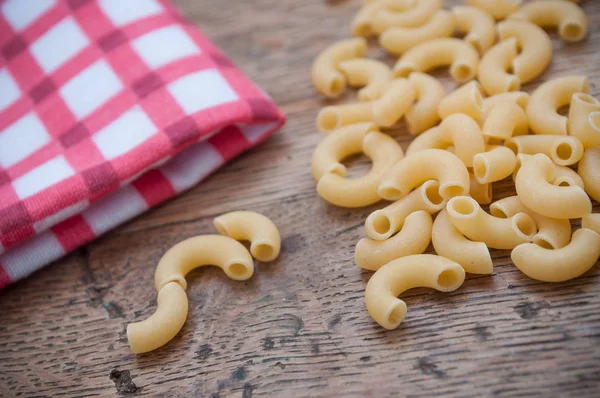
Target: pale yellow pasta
<point>563,150</point>
<point>482,193</point>
<point>478,25</point>
<point>552,233</point>
<point>569,18</point>
<point>430,164</point>
<point>589,171</point>
<point>419,14</point>
<point>448,242</point>
<point>499,9</point>
<point>384,152</point>
<point>374,75</point>
<point>548,98</point>
<point>383,223</point>
<point>562,264</point>
<point>520,98</point>
<point>467,99</point>
<point>333,117</point>
<point>465,135</point>
<point>259,230</point>
<point>398,40</point>
<point>494,165</point>
<point>431,139</point>
<point>563,176</point>
<point>326,77</point>
<point>164,324</point>
<point>460,55</point>
<point>591,221</point>
<point>413,238</point>
<point>535,44</point>
<point>505,120</point>
<point>224,252</point>
<point>362,24</point>
<point>497,233</point>
<point>391,280</point>
<point>423,113</point>
<point>584,119</point>
<point>493,69</point>
<point>536,191</point>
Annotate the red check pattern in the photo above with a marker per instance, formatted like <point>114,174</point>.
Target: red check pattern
<point>108,108</point>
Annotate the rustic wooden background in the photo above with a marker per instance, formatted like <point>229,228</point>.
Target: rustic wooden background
<point>299,327</point>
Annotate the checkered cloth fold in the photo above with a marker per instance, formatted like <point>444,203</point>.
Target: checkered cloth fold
<point>107,108</point>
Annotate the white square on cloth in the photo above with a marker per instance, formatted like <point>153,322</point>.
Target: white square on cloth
<point>21,139</point>
<point>9,90</point>
<point>45,175</point>
<point>122,12</point>
<point>20,17</point>
<point>59,44</point>
<point>201,90</point>
<point>163,46</point>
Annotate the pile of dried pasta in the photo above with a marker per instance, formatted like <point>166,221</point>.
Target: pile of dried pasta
<point>484,131</point>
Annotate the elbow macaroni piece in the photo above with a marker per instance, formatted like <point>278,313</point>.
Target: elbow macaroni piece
<point>494,165</point>
<point>465,135</point>
<point>563,176</point>
<point>552,233</point>
<point>589,171</point>
<point>519,98</point>
<point>363,22</point>
<point>383,223</point>
<point>570,19</point>
<point>584,119</point>
<point>563,150</point>
<point>430,164</point>
<point>260,231</point>
<point>413,238</point>
<point>418,15</point>
<point>334,117</point>
<point>429,92</point>
<point>384,152</point>
<point>467,99</point>
<point>326,77</point>
<point>562,264</point>
<point>505,120</point>
<point>536,48</point>
<point>478,25</point>
<point>391,280</point>
<point>499,9</point>
<point>494,65</point>
<point>548,98</point>
<point>431,139</point>
<point>534,187</point>
<point>460,55</point>
<point>398,40</point>
<point>374,75</point>
<point>164,324</point>
<point>448,242</point>
<point>224,252</point>
<point>482,193</point>
<point>498,233</point>
<point>591,221</point>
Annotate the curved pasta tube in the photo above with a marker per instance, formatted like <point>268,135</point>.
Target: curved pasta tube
<point>494,65</point>
<point>467,99</point>
<point>383,223</point>
<point>164,324</point>
<point>494,165</point>
<point>465,134</point>
<point>384,152</point>
<point>536,48</point>
<point>418,15</point>
<point>448,242</point>
<point>552,233</point>
<point>570,19</point>
<point>478,25</point>
<point>224,252</point>
<point>584,119</point>
<point>563,176</point>
<point>413,238</point>
<point>563,150</point>
<point>391,280</point>
<point>398,40</point>
<point>560,265</point>
<point>430,164</point>
<point>326,77</point>
<point>461,56</point>
<point>519,98</point>
<point>260,231</point>
<point>505,120</point>
<point>334,117</point>
<point>338,145</point>
<point>423,113</point>
<point>499,9</point>
<point>591,221</point>
<point>363,22</point>
<point>374,75</point>
<point>534,187</point>
<point>431,139</point>
<point>589,171</point>
<point>548,98</point>
<point>482,193</point>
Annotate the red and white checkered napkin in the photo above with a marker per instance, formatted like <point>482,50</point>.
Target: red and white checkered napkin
<point>108,107</point>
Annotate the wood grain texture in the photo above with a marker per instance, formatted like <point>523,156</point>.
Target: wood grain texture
<point>299,327</point>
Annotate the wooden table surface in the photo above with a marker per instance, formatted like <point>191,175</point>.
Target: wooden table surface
<point>299,327</point>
